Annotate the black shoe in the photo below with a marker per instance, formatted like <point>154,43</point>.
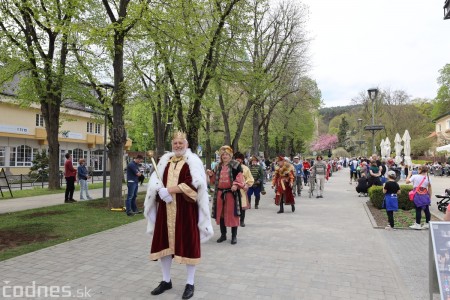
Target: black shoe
<point>137,212</point>
<point>293,207</point>
<point>72,201</point>
<point>242,224</point>
<point>130,214</point>
<point>67,201</point>
<point>222,238</point>
<point>317,196</point>
<point>188,291</point>
<point>162,287</point>
<point>280,212</point>
<point>233,240</point>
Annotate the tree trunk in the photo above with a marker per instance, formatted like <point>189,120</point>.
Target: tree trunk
<point>117,131</point>
<point>255,123</point>
<point>208,139</point>
<point>193,125</point>
<point>266,138</point>
<point>50,112</point>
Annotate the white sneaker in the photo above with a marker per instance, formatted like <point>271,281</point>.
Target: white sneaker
<point>388,227</point>
<point>426,226</point>
<point>415,226</point>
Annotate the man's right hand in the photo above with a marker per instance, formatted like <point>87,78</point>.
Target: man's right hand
<point>165,195</point>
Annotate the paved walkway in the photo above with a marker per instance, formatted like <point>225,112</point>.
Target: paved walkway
<point>327,249</point>
<point>25,203</point>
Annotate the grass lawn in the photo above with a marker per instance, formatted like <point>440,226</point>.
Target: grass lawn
<point>38,191</point>
<point>27,231</point>
<point>402,218</point>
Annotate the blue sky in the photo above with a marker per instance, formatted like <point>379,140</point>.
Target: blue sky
<point>358,44</point>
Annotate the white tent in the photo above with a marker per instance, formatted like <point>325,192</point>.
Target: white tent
<point>443,148</point>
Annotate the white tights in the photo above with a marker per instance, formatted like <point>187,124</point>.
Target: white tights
<point>166,263</point>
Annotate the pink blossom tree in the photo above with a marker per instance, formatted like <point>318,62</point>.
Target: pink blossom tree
<point>324,142</point>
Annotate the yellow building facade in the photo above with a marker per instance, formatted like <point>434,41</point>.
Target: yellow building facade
<point>23,134</point>
<point>443,129</point>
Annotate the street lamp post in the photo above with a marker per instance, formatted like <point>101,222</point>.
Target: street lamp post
<point>360,141</point>
<point>373,92</point>
<point>106,86</point>
<point>447,10</point>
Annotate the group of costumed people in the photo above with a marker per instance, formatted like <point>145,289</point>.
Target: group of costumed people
<point>177,204</point>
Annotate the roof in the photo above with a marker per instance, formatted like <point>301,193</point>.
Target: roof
<point>10,89</point>
<point>441,116</point>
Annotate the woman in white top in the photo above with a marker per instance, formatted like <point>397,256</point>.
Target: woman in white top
<point>422,198</point>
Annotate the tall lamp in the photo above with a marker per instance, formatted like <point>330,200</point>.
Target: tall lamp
<point>447,10</point>
<point>360,141</point>
<point>373,93</point>
<point>106,86</point>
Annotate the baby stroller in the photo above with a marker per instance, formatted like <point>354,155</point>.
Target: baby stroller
<point>443,203</point>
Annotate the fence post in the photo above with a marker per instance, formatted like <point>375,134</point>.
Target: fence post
<point>42,179</point>
<point>21,181</point>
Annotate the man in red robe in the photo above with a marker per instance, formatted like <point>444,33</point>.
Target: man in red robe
<point>177,210</point>
<point>283,181</point>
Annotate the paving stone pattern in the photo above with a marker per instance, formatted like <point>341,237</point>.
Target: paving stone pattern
<point>327,249</point>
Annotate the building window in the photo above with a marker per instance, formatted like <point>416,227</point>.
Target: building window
<point>39,120</point>
<point>21,156</point>
<point>62,157</point>
<point>76,155</point>
<point>90,127</point>
<point>439,129</point>
<point>98,128</point>
<point>2,156</point>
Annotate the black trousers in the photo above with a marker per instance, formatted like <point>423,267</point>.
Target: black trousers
<point>70,188</point>
<point>390,215</point>
<point>426,210</point>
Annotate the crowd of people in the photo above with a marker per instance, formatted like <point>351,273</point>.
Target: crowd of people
<point>179,213</point>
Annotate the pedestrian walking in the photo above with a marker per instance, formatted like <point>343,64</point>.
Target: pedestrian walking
<point>248,178</point>
<point>177,211</point>
<point>283,181</point>
<point>228,179</point>
<point>298,172</point>
<point>258,186</point>
<point>320,169</point>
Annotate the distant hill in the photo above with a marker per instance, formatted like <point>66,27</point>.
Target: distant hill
<point>329,113</point>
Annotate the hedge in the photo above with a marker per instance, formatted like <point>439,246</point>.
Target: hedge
<point>376,197</point>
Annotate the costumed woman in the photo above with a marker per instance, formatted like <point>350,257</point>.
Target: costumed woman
<point>283,182</point>
<point>228,179</point>
<point>249,181</point>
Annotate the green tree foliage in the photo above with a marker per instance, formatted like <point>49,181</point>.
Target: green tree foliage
<point>34,40</point>
<point>441,104</point>
<point>40,164</point>
<point>344,127</point>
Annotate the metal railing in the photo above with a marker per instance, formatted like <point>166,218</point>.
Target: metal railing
<point>25,181</point>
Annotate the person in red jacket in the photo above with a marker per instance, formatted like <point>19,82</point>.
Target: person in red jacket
<point>306,167</point>
<point>70,174</point>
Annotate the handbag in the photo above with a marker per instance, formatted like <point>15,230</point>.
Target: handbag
<point>390,202</point>
<point>413,192</point>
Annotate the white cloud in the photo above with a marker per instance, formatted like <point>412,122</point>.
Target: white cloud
<point>358,44</point>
